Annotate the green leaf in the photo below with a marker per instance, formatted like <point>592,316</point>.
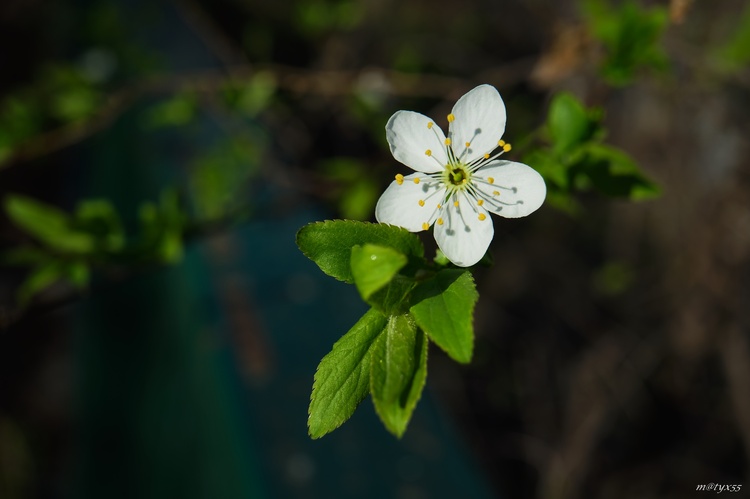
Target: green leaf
<point>444,309</point>
<point>374,266</point>
<point>99,218</point>
<point>38,280</point>
<point>393,298</point>
<point>614,173</point>
<point>343,376</point>
<point>734,54</point>
<point>399,371</point>
<point>48,224</point>
<point>329,243</point>
<point>568,123</point>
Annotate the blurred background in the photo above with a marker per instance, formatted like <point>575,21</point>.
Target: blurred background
<point>159,329</point>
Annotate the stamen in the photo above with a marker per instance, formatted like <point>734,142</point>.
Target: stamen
<point>501,143</point>
<point>421,202</point>
<point>439,206</point>
<point>486,155</point>
<point>428,152</point>
<point>429,125</point>
<point>495,193</point>
<point>480,202</point>
<point>455,203</point>
<point>425,226</point>
<point>451,118</point>
<point>506,148</point>
<point>399,179</point>
<point>482,216</point>
<point>467,144</point>
<point>447,142</point>
<point>440,221</point>
<point>416,180</point>
<point>490,180</point>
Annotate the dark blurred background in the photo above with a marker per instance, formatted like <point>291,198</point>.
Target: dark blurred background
<point>159,329</point>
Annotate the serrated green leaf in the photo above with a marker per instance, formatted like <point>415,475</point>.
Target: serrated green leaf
<point>444,309</point>
<point>568,123</point>
<point>399,371</point>
<point>374,266</point>
<point>343,376</point>
<point>393,298</point>
<point>329,243</point>
<point>48,224</point>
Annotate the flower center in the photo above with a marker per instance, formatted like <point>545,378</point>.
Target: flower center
<point>456,174</point>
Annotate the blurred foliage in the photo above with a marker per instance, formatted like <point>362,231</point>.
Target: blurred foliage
<point>631,37</point>
<point>67,246</point>
<point>573,158</point>
<point>356,192</point>
<point>734,54</point>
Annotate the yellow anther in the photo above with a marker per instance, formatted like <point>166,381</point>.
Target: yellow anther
<point>467,144</point>
<point>399,179</point>
<point>421,202</point>
<point>490,180</point>
<point>506,148</point>
<point>447,142</point>
<point>451,118</point>
<point>501,143</point>
<point>440,221</point>
<point>416,180</point>
<point>425,226</point>
<point>439,206</point>
<point>495,193</point>
<point>455,203</point>
<point>429,125</point>
<point>480,202</point>
<point>464,180</point>
<point>486,156</point>
<point>428,152</point>
<point>482,216</point>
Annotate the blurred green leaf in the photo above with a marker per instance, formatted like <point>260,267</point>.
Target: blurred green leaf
<point>399,371</point>
<point>99,218</point>
<point>47,274</point>
<point>48,224</point>
<point>219,178</point>
<point>631,36</point>
<point>176,111</point>
<point>734,54</point>
<point>614,173</point>
<point>568,123</point>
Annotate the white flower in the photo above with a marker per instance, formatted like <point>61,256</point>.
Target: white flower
<point>458,181</point>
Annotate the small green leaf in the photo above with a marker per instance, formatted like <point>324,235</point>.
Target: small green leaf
<point>374,266</point>
<point>568,123</point>
<point>399,371</point>
<point>444,309</point>
<point>48,224</point>
<point>329,243</point>
<point>393,298</point>
<point>343,376</point>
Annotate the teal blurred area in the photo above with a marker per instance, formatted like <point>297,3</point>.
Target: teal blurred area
<point>192,380</point>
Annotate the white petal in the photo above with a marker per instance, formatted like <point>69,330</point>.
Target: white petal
<point>479,120</point>
<point>410,138</point>
<point>516,189</point>
<point>400,204</point>
<point>463,237</point>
